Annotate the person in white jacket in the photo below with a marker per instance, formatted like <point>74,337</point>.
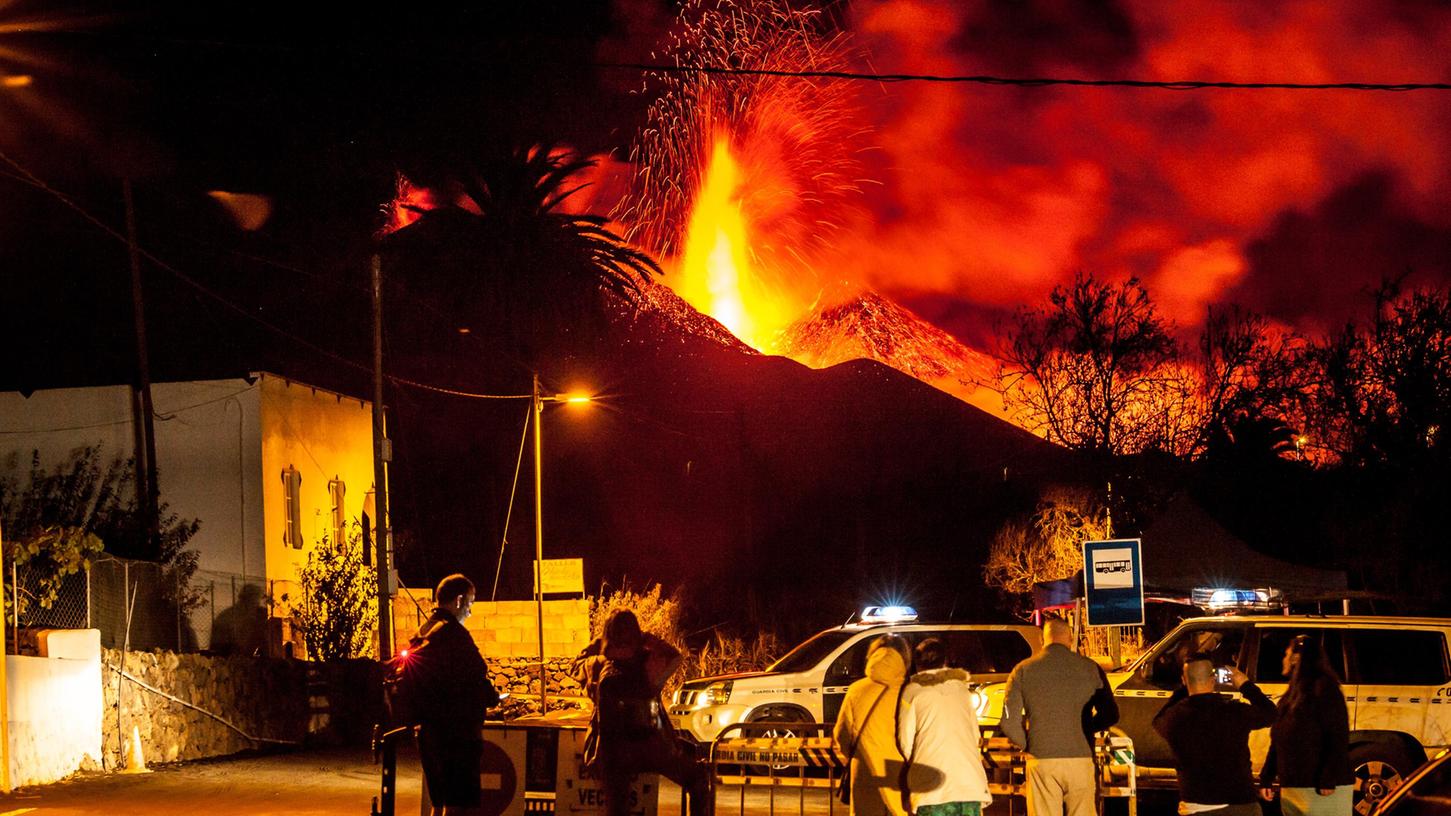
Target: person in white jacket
<point>938,734</point>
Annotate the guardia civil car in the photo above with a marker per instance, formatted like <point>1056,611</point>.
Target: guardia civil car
<point>808,684</point>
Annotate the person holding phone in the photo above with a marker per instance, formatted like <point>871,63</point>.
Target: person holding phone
<point>1209,735</point>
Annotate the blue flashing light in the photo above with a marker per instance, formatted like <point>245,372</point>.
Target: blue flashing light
<point>888,614</point>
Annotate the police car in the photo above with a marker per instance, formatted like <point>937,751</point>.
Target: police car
<point>808,684</point>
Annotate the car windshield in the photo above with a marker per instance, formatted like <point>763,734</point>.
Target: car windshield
<point>811,652</point>
<point>1429,795</point>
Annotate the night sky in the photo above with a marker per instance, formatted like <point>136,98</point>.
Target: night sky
<point>977,199</point>
<point>972,200</point>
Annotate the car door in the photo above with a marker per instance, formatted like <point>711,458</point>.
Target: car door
<point>1398,674</point>
<point>1271,640</point>
<point>1143,693</point>
<point>845,669</point>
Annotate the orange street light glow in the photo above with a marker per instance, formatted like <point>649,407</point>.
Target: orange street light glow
<point>15,81</point>
<point>577,399</point>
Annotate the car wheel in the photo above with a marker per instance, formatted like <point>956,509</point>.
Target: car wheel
<point>781,720</point>
<point>1379,768</point>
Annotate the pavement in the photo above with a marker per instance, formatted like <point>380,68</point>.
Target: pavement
<point>312,783</point>
<point>340,781</point>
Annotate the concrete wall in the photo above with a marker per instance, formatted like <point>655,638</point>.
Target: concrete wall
<point>325,436</point>
<point>504,629</point>
<point>55,708</point>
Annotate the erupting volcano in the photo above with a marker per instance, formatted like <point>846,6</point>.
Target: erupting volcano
<point>746,186</point>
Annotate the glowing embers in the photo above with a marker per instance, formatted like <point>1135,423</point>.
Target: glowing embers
<point>718,272</point>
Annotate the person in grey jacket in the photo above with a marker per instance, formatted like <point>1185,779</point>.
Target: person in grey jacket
<point>1055,699</point>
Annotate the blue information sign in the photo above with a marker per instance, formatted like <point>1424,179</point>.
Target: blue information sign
<point>1113,582</point>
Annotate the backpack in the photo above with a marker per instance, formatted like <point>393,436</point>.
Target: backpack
<point>401,698</point>
<point>625,703</point>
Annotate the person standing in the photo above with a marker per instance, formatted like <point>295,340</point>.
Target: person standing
<point>451,693</point>
<point>623,673</point>
<point>1209,735</point>
<point>938,734</point>
<point>1054,700</point>
<point>866,730</point>
<point>1310,742</point>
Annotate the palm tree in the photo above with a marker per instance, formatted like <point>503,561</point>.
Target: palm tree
<point>490,249</point>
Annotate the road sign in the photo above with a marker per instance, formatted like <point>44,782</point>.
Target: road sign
<point>1113,582</point>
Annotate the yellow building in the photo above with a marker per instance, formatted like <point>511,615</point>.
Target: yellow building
<point>269,466</point>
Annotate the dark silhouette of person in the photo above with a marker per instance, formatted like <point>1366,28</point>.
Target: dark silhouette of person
<point>240,628</point>
<point>452,693</point>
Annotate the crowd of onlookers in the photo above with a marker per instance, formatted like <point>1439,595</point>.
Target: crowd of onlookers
<point>908,730</point>
<point>910,735</point>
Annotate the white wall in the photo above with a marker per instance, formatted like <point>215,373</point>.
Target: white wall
<point>55,708</point>
<point>208,453</point>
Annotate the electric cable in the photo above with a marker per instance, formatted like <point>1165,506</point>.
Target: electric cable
<point>1029,82</point>
<point>513,492</point>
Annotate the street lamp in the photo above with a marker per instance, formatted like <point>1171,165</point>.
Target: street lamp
<point>538,401</point>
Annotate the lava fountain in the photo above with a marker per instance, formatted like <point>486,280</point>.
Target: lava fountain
<point>743,183</point>
<point>718,271</point>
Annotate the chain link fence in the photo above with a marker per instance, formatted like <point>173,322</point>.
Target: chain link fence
<point>139,605</point>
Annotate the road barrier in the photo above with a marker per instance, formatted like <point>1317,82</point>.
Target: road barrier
<point>804,756</point>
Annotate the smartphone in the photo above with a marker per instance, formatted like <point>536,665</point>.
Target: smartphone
<point>1222,676</point>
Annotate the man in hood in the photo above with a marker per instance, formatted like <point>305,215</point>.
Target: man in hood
<point>938,733</point>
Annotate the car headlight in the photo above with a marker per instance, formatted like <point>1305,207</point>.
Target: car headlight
<point>718,693</point>
<point>979,702</point>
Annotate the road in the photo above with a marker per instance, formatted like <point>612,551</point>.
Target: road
<point>328,783</point>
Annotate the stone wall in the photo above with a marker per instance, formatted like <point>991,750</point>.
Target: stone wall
<point>285,700</point>
<point>519,676</point>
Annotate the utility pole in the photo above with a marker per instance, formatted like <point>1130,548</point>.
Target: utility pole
<point>382,454</point>
<point>142,411</point>
<point>538,417</point>
<point>5,691</point>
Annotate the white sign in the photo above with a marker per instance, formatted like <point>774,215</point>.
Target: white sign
<point>562,575</point>
<point>1113,569</point>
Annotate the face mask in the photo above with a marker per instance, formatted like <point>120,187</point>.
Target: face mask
<point>465,609</point>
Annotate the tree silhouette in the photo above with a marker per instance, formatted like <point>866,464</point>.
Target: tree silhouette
<point>1097,370</point>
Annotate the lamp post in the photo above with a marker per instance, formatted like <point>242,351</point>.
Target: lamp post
<point>537,400</point>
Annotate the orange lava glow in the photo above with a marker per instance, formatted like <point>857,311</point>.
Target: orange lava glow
<point>718,272</point>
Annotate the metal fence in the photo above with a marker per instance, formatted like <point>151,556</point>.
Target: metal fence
<point>138,604</point>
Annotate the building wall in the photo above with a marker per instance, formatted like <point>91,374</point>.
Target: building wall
<point>324,436</point>
<point>207,453</point>
<point>55,708</point>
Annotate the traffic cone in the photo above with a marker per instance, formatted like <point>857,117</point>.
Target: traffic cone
<point>135,757</point>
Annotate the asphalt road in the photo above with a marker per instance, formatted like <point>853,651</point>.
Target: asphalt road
<point>324,783</point>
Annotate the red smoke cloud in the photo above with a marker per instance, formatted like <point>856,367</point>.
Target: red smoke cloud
<point>992,195</point>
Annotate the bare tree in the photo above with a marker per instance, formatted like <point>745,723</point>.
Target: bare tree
<point>1045,546</point>
<point>1253,386</point>
<point>1097,370</point>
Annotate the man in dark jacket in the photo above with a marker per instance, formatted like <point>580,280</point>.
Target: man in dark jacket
<point>1054,699</point>
<point>451,692</point>
<point>1209,735</point>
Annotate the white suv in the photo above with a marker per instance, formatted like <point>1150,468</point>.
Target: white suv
<point>1395,671</point>
<point>809,683</point>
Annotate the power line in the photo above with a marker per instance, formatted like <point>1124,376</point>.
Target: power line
<point>1029,82</point>
<point>33,180</point>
